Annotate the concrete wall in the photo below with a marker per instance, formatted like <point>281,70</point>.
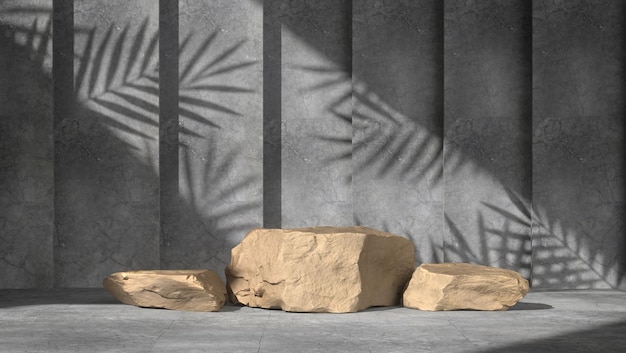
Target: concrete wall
<point>441,121</point>
<point>579,58</point>
<point>211,183</point>
<point>398,120</point>
<point>106,143</point>
<point>315,82</point>
<point>488,133</point>
<point>26,152</point>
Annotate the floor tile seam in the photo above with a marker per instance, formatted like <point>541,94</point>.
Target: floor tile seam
<point>266,323</point>
<point>459,330</point>
<point>164,331</point>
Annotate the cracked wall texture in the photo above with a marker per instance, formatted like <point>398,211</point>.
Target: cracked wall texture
<point>218,140</point>
<point>440,121</point>
<point>106,148</point>
<point>26,153</point>
<point>315,81</point>
<point>579,50</point>
<point>487,122</point>
<point>397,120</point>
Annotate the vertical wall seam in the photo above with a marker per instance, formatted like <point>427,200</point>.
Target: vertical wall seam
<point>62,97</point>
<point>272,116</point>
<point>168,112</point>
<point>532,97</point>
<point>351,72</point>
<point>442,24</point>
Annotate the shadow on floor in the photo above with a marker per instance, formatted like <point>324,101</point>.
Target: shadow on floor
<point>76,296</point>
<point>531,306</point>
<point>604,338</point>
<point>63,296</point>
<point>82,296</point>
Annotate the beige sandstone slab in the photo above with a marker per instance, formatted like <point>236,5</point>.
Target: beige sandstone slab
<point>188,290</point>
<point>459,286</point>
<point>320,269</point>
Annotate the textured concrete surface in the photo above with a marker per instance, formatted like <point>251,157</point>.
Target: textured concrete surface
<point>215,191</point>
<point>26,153</point>
<point>487,133</point>
<point>272,119</point>
<point>106,146</point>
<point>578,143</point>
<point>397,120</point>
<point>102,170</point>
<point>81,320</point>
<point>315,50</point>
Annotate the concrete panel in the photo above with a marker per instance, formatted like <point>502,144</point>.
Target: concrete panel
<point>487,133</point>
<point>219,136</point>
<point>26,147</point>
<point>315,91</point>
<point>578,144</point>
<point>106,144</point>
<point>397,120</point>
<point>272,108</point>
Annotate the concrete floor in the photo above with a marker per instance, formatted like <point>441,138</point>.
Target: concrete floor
<point>89,320</point>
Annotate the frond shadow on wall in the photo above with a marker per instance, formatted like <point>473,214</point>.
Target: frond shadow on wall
<point>36,54</point>
<point>25,173</point>
<point>127,105</point>
<point>111,143</point>
<point>132,100</point>
<point>564,259</point>
<point>383,140</point>
<point>560,259</point>
<point>506,245</point>
<point>130,87</point>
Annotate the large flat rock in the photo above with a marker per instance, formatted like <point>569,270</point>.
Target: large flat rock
<point>461,286</point>
<point>188,290</point>
<point>320,269</point>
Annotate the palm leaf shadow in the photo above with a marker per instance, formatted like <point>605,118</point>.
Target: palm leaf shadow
<point>116,84</point>
<point>522,250</point>
<point>564,260</point>
<point>549,229</point>
<point>25,55</point>
<point>210,219</point>
<point>513,238</point>
<point>129,87</point>
<point>507,246</point>
<point>461,248</point>
<point>37,53</point>
<point>382,140</point>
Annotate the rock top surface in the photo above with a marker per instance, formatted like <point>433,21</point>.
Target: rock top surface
<point>461,286</point>
<point>188,290</point>
<point>319,269</point>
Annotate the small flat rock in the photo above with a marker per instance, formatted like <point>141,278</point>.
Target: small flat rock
<point>461,286</point>
<point>188,290</point>
<point>319,269</point>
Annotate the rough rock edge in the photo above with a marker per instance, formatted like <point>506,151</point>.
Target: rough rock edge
<point>360,302</point>
<point>205,292</point>
<point>522,285</point>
